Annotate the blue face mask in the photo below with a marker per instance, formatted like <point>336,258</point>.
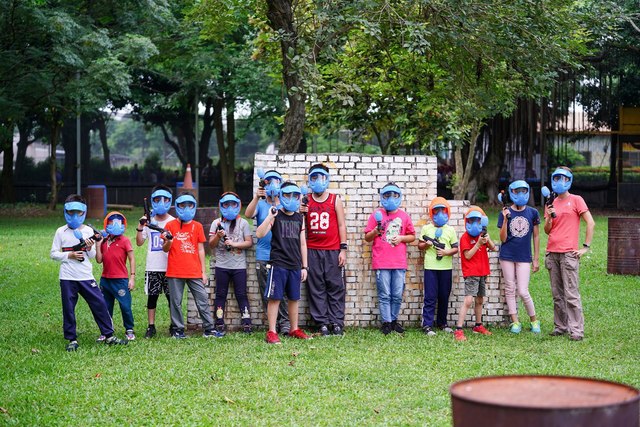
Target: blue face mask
<point>163,204</point>
<point>290,204</point>
<point>473,228</point>
<point>558,183</point>
<point>520,199</point>
<point>231,212</point>
<point>186,213</point>
<point>75,220</point>
<point>440,219</point>
<point>273,188</point>
<point>318,181</point>
<point>115,227</point>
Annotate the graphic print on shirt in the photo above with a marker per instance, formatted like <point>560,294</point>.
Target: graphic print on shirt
<point>393,229</point>
<point>155,241</point>
<point>290,229</point>
<point>186,246</point>
<point>519,226</point>
<point>319,219</point>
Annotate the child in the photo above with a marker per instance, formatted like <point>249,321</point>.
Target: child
<point>155,280</point>
<point>287,260</point>
<point>562,224</point>
<point>517,224</point>
<point>438,265</point>
<point>73,247</point>
<point>116,282</point>
<point>230,236</point>
<point>390,231</point>
<point>475,269</point>
<point>258,209</point>
<point>186,265</point>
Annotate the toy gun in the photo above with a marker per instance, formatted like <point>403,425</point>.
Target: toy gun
<point>549,197</point>
<point>435,241</point>
<point>304,190</point>
<point>484,222</point>
<point>225,239</point>
<point>152,226</point>
<point>82,245</point>
<point>262,183</point>
<point>505,200</point>
<point>378,217</point>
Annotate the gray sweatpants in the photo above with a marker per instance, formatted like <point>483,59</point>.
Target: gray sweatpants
<point>567,305</point>
<point>326,286</point>
<point>176,292</point>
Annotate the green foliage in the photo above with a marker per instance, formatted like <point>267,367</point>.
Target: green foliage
<point>564,156</point>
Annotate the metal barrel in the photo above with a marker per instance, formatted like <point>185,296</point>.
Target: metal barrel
<point>549,401</point>
<point>623,250</point>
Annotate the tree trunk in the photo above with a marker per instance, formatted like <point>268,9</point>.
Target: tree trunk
<point>207,131</point>
<point>54,137</point>
<point>218,106</point>
<point>25,128</point>
<point>101,125</point>
<point>8,194</point>
<point>229,179</point>
<point>463,173</point>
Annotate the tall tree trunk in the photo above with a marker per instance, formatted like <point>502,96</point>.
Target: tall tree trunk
<point>8,194</point>
<point>207,131</point>
<point>101,125</point>
<point>25,128</point>
<point>54,137</point>
<point>218,106</point>
<point>280,15</point>
<point>229,179</point>
<point>463,173</point>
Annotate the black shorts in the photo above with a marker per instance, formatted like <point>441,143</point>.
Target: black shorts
<point>155,283</point>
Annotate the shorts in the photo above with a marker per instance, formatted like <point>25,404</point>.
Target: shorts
<point>475,286</point>
<point>281,282</point>
<point>155,283</point>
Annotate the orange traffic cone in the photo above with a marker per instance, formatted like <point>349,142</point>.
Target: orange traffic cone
<point>188,181</point>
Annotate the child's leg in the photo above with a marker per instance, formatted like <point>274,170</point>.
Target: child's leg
<point>124,300</point>
<point>239,278</point>
<point>272,313</point>
<point>523,274</point>
<point>108,292</point>
<point>152,303</point>
<point>430,297</point>
<point>93,296</point>
<point>293,314</point>
<point>477,309</point>
<point>509,273</point>
<point>444,278</point>
<point>223,276</point>
<point>69,295</point>
<point>466,304</point>
<point>336,288</point>
<point>397,289</point>
<point>383,283</point>
<point>552,262</point>
<point>201,299</point>
<point>176,290</point>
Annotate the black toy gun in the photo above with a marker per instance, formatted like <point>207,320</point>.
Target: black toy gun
<point>82,244</point>
<point>225,239</point>
<point>304,190</point>
<point>503,197</point>
<point>262,183</point>
<point>549,197</point>
<point>435,241</point>
<point>152,226</point>
<point>484,222</point>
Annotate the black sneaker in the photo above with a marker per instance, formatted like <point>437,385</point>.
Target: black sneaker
<point>285,329</point>
<point>72,346</point>
<point>222,329</point>
<point>178,334</point>
<point>337,330</point>
<point>395,326</point>
<point>113,340</point>
<point>247,329</point>
<point>151,332</point>
<point>324,331</point>
<point>211,333</point>
<point>386,328</point>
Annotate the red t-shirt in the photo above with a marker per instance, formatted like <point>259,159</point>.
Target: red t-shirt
<point>478,265</point>
<point>114,257</point>
<point>322,224</point>
<point>184,258</point>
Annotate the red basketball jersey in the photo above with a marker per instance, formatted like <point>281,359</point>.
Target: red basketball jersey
<point>322,224</point>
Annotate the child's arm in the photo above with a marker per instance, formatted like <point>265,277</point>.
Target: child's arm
<point>132,269</point>
<point>469,253</point>
<point>451,251</point>
<point>303,252</point>
<point>503,228</point>
<point>342,230</point>
<point>140,238</point>
<point>245,244</point>
<point>251,209</point>
<point>266,225</point>
<point>202,257</point>
<point>99,252</point>
<point>536,248</point>
<point>214,238</point>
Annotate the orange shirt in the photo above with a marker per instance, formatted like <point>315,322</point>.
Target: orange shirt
<point>184,259</point>
<point>565,228</point>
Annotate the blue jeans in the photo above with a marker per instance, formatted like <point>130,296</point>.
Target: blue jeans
<point>390,285</point>
<point>118,289</point>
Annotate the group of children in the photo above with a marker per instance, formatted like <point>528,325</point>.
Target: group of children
<point>302,237</point>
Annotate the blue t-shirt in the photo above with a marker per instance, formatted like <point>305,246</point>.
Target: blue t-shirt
<point>517,248</point>
<point>263,247</point>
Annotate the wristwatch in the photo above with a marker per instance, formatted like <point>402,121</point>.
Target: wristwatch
<point>585,245</point>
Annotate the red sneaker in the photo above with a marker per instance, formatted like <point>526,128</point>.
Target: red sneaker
<point>458,334</point>
<point>272,338</point>
<point>299,333</point>
<point>480,329</point>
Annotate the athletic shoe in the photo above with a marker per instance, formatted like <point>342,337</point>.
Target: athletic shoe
<point>459,335</point>
<point>299,333</point>
<point>575,338</point>
<point>272,338</point>
<point>395,326</point>
<point>222,329</point>
<point>324,331</point>
<point>446,329</point>
<point>557,333</point>
<point>101,338</point>
<point>212,333</point>
<point>130,335</point>
<point>247,329</point>
<point>337,330</point>
<point>113,340</point>
<point>516,327</point>
<point>535,327</point>
<point>428,331</point>
<point>480,329</point>
<point>151,332</point>
<point>178,334</point>
<point>386,328</point>
<point>72,346</point>
<point>284,329</point>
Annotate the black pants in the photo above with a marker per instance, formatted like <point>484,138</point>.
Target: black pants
<point>239,278</point>
<point>327,290</point>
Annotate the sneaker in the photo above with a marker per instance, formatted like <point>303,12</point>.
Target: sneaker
<point>247,329</point>
<point>428,331</point>
<point>212,333</point>
<point>178,334</point>
<point>516,327</point>
<point>480,329</point>
<point>386,328</point>
<point>113,340</point>
<point>130,335</point>
<point>299,333</point>
<point>446,329</point>
<point>557,333</point>
<point>151,332</point>
<point>72,346</point>
<point>575,338</point>
<point>337,330</point>
<point>272,338</point>
<point>535,327</point>
<point>101,338</point>
<point>459,335</point>
<point>222,329</point>
<point>395,326</point>
<point>284,328</point>
<point>324,331</point>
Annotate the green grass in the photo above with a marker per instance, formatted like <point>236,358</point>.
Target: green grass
<point>361,379</point>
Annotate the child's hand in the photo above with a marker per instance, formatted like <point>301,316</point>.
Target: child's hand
<point>132,283</point>
<point>273,212</point>
<point>505,212</point>
<point>482,240</point>
<point>536,265</point>
<point>88,243</point>
<point>549,211</point>
<point>303,208</point>
<point>303,275</point>
<point>143,221</point>
<point>261,193</point>
<point>440,252</point>
<point>78,256</point>
<point>220,233</point>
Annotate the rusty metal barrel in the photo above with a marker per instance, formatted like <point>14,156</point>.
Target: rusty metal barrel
<point>623,250</point>
<point>549,401</point>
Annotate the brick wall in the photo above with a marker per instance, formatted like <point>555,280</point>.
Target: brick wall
<point>358,179</point>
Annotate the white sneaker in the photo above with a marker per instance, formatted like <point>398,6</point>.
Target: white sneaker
<point>130,335</point>
<point>101,338</point>
<point>447,330</point>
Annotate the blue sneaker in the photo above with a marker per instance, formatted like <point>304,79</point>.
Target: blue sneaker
<point>516,327</point>
<point>212,333</point>
<point>535,327</point>
<point>179,334</point>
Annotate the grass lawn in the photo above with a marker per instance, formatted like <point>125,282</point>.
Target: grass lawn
<point>361,379</point>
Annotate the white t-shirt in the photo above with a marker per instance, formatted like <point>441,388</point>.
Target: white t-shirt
<point>72,269</point>
<point>156,257</point>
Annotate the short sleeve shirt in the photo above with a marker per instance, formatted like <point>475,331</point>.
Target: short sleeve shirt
<point>235,259</point>
<point>156,257</point>
<point>383,254</point>
<point>114,257</point>
<point>184,257</point>
<point>517,247</point>
<point>448,237</point>
<point>565,228</point>
<point>478,265</point>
